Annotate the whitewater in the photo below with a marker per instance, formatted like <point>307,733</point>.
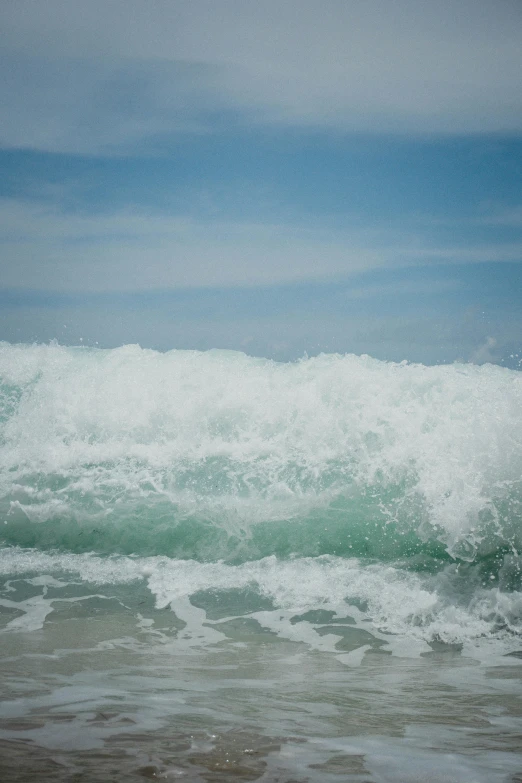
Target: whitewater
<point>217,567</point>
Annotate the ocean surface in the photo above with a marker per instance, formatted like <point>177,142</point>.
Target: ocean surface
<point>215,567</point>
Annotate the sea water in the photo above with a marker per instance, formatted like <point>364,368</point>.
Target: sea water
<point>216,567</point>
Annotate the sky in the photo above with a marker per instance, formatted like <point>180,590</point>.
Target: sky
<point>278,177</point>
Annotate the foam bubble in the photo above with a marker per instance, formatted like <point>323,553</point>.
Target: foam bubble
<point>385,599</point>
<point>130,448</point>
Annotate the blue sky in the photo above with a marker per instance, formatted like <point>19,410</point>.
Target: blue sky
<point>278,178</point>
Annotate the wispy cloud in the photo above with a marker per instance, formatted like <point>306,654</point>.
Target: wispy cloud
<point>44,247</point>
<point>473,253</point>
<point>98,76</point>
<point>47,247</point>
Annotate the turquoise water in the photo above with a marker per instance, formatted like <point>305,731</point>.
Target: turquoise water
<point>220,567</point>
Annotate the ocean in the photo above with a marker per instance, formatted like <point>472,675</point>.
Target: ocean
<point>216,567</point>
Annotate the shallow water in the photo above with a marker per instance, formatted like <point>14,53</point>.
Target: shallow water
<point>220,568</point>
<point>223,687</point>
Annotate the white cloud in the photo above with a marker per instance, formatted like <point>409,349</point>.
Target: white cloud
<point>91,76</point>
<point>44,247</point>
<point>471,254</point>
<point>410,288</point>
<point>487,352</point>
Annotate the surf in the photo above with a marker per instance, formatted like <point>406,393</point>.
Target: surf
<point>205,454</point>
<point>309,562</point>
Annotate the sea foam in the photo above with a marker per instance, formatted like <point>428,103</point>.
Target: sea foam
<point>197,454</point>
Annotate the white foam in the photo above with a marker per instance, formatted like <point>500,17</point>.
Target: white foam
<point>242,440</point>
<point>398,603</point>
<point>35,610</point>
